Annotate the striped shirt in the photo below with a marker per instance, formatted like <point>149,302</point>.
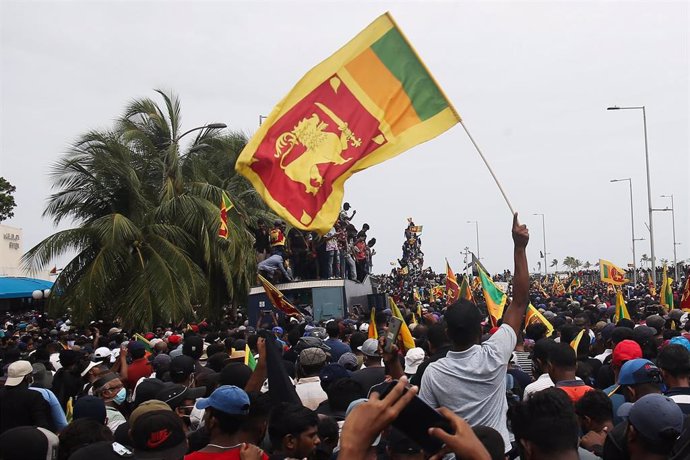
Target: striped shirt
<point>680,396</point>
<point>523,360</point>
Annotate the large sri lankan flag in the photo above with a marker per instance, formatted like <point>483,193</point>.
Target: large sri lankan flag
<point>370,101</point>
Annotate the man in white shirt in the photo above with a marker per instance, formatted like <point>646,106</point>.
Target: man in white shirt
<point>476,372</point>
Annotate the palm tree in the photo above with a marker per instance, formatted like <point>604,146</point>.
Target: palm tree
<point>571,262</point>
<point>147,222</point>
<point>554,263</point>
<point>587,265</point>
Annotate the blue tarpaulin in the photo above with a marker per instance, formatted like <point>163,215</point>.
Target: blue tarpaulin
<point>19,288</point>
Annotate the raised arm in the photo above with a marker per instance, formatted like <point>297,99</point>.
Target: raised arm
<point>515,313</point>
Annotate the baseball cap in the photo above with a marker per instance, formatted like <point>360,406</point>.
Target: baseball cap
<point>312,357</point>
<point>17,371</point>
<point>90,407</point>
<point>28,442</point>
<point>147,389</point>
<point>228,399</point>
<point>174,339</point>
<point>332,372</point>
<point>193,346</point>
<point>349,361</point>
<point>174,394</point>
<point>638,371</point>
<point>135,345</point>
<point>278,330</point>
<point>655,321</point>
<point>657,417</point>
<point>370,347</point>
<point>114,330</point>
<point>102,352</point>
<point>102,450</point>
<point>364,327</point>
<point>158,434</point>
<point>152,405</point>
<point>413,358</point>
<point>682,341</point>
<point>625,351</point>
<point>181,365</point>
<point>88,367</point>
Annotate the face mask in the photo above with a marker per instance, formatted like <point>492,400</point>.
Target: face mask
<point>120,396</point>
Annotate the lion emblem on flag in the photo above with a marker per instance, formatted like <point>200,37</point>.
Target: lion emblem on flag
<point>321,147</point>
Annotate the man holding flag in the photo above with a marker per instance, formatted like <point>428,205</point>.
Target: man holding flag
<point>477,373</point>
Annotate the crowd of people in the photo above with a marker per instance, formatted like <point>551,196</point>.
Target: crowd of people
<point>343,252</point>
<point>581,383</point>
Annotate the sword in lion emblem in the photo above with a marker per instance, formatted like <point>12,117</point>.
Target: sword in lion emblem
<point>322,147</point>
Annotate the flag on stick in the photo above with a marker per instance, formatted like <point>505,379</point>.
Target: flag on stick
<point>405,334</point>
<point>140,338</point>
<point>610,273</point>
<point>225,206</point>
<point>249,359</point>
<point>685,299</point>
<point>534,316</point>
<point>373,332</point>
<point>494,297</point>
<point>277,298</point>
<point>368,102</point>
<point>465,291</point>
<point>650,285</point>
<point>452,288</point>
<point>621,308</point>
<point>666,290</point>
<point>576,341</point>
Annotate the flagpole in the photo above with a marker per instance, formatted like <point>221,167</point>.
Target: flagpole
<point>505,197</point>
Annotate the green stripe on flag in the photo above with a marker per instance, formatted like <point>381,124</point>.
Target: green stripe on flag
<point>606,271</point>
<point>397,55</point>
<point>491,289</point>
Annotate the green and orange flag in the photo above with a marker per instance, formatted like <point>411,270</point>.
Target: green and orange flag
<point>666,297</point>
<point>534,316</point>
<point>225,206</point>
<point>621,308</point>
<point>465,291</point>
<point>368,102</point>
<point>494,297</point>
<point>452,288</point>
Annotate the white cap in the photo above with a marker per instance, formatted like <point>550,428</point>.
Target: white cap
<point>17,371</point>
<point>364,327</point>
<point>102,352</point>
<point>91,365</point>
<point>413,358</point>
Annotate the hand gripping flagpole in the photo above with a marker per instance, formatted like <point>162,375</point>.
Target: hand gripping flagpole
<point>505,197</point>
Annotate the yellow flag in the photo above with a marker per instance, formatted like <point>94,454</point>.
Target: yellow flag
<point>405,334</point>
<point>576,341</point>
<point>534,316</point>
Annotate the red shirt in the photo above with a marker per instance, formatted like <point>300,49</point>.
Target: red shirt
<point>230,454</point>
<point>575,389</point>
<point>139,368</point>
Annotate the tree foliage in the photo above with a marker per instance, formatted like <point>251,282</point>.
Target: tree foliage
<point>147,240</point>
<point>7,203</point>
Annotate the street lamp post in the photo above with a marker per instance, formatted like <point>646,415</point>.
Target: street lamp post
<point>476,225</point>
<point>632,225</point>
<point>543,231</point>
<point>673,220</point>
<point>649,186</point>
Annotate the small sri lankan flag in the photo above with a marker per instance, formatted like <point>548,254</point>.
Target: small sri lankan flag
<point>225,206</point>
<point>368,102</point>
<point>494,297</point>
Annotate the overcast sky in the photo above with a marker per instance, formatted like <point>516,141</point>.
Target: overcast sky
<point>531,80</point>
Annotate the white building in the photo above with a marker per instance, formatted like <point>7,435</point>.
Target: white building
<point>11,252</point>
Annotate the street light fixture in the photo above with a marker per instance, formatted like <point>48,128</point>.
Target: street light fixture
<point>208,126</point>
<point>632,225</point>
<point>673,219</point>
<point>649,186</point>
<point>543,230</point>
<point>476,224</point>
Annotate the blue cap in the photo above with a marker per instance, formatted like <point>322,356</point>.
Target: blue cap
<point>227,398</point>
<point>664,426</point>
<point>680,341</point>
<point>332,372</point>
<point>638,371</point>
<point>135,345</point>
<point>278,330</point>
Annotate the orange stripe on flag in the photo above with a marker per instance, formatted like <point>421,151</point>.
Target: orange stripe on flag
<point>384,89</point>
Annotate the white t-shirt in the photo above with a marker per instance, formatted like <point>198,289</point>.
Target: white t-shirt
<point>472,383</point>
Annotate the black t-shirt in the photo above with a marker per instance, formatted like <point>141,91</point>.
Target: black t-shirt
<point>369,376</point>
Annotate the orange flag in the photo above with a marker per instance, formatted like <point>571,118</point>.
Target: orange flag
<point>452,288</point>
